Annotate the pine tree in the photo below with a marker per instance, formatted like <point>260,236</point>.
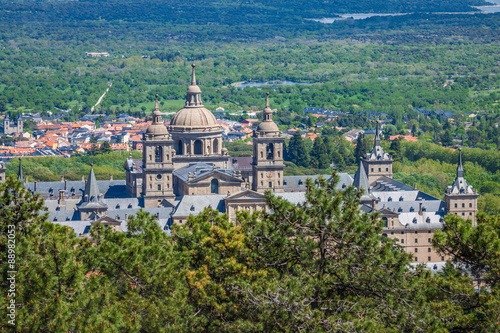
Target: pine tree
<point>474,261</point>
<point>319,155</point>
<point>360,151</point>
<point>331,270</point>
<point>297,152</point>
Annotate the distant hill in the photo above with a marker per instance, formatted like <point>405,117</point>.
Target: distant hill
<point>239,12</point>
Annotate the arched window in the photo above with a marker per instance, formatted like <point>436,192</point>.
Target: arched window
<point>390,199</point>
<point>270,151</point>
<point>198,147</point>
<point>401,198</point>
<point>158,154</point>
<point>180,147</point>
<point>215,148</point>
<point>214,186</point>
<point>384,219</point>
<point>428,220</point>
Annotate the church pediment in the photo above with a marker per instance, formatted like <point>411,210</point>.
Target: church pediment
<point>388,212</point>
<point>247,195</point>
<point>106,220</point>
<point>215,175</point>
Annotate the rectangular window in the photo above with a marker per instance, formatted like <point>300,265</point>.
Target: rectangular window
<point>372,169</point>
<point>416,250</point>
<point>470,203</point>
<point>428,258</point>
<point>416,258</point>
<point>429,249</point>
<point>456,205</point>
<point>379,169</point>
<point>159,187</point>
<point>416,240</point>
<point>442,258</point>
<point>387,169</point>
<point>463,205</point>
<point>270,184</point>
<point>402,241</point>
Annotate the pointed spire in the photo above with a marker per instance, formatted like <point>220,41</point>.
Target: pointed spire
<point>361,179</point>
<point>193,75</point>
<point>157,107</point>
<point>460,168</point>
<point>377,136</point>
<point>20,172</point>
<point>267,100</point>
<point>91,188</point>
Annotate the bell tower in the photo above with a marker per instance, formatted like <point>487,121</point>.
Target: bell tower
<point>157,182</point>
<point>377,163</point>
<point>461,198</point>
<point>267,164</point>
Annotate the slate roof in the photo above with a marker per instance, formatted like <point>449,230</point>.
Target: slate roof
<point>298,183</point>
<point>195,204</point>
<point>201,169</point>
<point>241,163</point>
<point>110,188</point>
<point>388,184</point>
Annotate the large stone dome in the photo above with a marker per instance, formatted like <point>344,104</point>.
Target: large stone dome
<point>194,119</point>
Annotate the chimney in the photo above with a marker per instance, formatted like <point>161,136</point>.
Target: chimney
<point>61,201</point>
<point>65,185</point>
<point>35,186</point>
<point>420,211</point>
<point>62,178</point>
<point>26,179</point>
<point>83,178</point>
<point>415,186</point>
<point>110,178</point>
<point>126,216</point>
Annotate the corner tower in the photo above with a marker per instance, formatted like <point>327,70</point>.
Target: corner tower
<point>267,163</point>
<point>461,198</point>
<point>377,163</point>
<point>157,164</point>
<point>196,134</point>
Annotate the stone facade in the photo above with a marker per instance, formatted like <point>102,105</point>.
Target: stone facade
<point>10,127</point>
<point>157,164</point>
<point>461,198</point>
<point>267,166</point>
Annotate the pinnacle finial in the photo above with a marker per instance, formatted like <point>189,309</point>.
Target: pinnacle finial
<point>193,75</point>
<point>267,100</point>
<point>157,107</point>
<point>460,168</point>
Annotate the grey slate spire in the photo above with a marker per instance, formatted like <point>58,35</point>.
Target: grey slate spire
<point>91,188</point>
<point>460,168</point>
<point>361,179</point>
<point>20,172</point>
<point>377,136</point>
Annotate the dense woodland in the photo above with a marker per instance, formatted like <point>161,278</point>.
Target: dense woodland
<point>321,266</point>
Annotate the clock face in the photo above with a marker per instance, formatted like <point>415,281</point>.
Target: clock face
<point>269,174</point>
<point>158,176</point>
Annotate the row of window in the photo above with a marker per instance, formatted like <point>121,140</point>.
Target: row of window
<point>380,170</point>
<point>416,241</point>
<point>463,205</point>
<point>429,259</point>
